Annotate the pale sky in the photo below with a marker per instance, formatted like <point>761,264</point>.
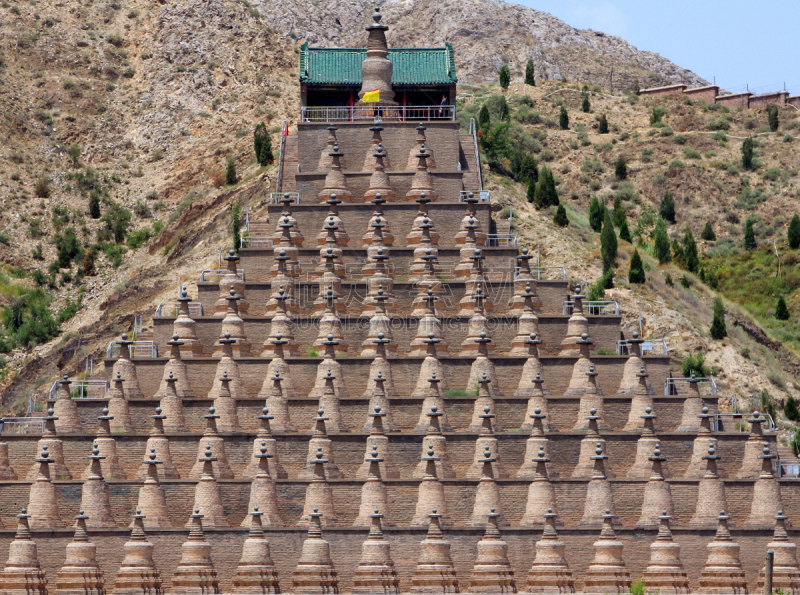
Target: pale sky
<point>737,42</point>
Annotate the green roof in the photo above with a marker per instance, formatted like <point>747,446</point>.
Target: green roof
<point>412,66</point>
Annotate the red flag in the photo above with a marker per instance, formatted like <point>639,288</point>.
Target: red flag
<point>286,130</point>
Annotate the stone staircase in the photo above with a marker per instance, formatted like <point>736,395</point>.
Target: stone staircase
<point>467,155</point>
<point>290,160</point>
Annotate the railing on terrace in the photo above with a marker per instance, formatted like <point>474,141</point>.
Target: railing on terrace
<point>22,425</point>
<point>788,467</point>
<point>502,240</point>
<point>547,273</point>
<point>274,197</point>
<point>351,113</point>
<point>82,389</point>
<point>483,195</point>
<point>658,347</point>
<point>473,130</point>
<point>737,422</point>
<point>214,274</point>
<point>674,386</point>
<point>143,349</point>
<point>284,129</point>
<point>172,309</point>
<point>257,242</point>
<point>594,308</point>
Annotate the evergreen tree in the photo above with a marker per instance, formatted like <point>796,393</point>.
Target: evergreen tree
<point>619,212</point>
<point>690,256</point>
<point>563,119</point>
<point>677,253</point>
<point>794,232</point>
<point>235,223</point>
<point>718,330</point>
<point>749,235</point>
<point>528,169</point>
<point>781,311</point>
<point>560,217</point>
<point>503,110</point>
<point>636,272</point>
<point>505,76</point>
<point>608,243</point>
<point>586,105</point>
<point>602,124</point>
<point>546,194</point>
<point>667,209</point>
<point>747,153</point>
<point>230,171</point>
<point>795,443</point>
<point>94,205</point>
<point>262,144</point>
<point>621,168</point>
<point>624,231</point>
<point>529,73</point>
<point>531,194</point>
<point>484,119</point>
<point>661,242</point>
<point>790,409</point>
<point>708,233</point>
<point>596,210</point>
<point>773,117</point>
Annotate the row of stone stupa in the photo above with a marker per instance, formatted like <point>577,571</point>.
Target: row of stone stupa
<point>435,572</point>
<point>212,465</point>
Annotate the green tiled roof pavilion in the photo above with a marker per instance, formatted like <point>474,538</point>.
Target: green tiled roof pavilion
<point>411,66</point>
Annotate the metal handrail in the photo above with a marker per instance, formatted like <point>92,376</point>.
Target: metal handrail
<point>657,347</point>
<point>671,385</point>
<point>503,240</point>
<point>483,195</point>
<point>256,242</point>
<point>143,349</point>
<point>86,389</point>
<point>218,273</point>
<point>172,309</point>
<point>473,130</point>
<point>742,426</point>
<point>275,196</point>
<point>351,113</point>
<point>280,156</point>
<point>540,272</point>
<point>593,308</point>
<point>788,467</point>
<point>22,425</point>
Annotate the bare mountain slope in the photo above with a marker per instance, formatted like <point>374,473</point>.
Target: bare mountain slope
<point>485,35</point>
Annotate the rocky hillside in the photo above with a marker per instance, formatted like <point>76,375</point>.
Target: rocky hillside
<point>485,34</point>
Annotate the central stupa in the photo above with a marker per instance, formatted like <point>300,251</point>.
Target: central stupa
<point>376,69</point>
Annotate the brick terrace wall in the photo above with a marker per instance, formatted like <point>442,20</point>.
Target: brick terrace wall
<point>707,94</point>
<point>257,262</point>
<point>670,90</point>
<point>735,100</point>
<point>793,100</point>
<point>760,101</point>
<point>553,329</point>
<point>405,371</point>
<point>447,184</point>
<point>398,139</point>
<point>446,216</point>
<point>552,294</point>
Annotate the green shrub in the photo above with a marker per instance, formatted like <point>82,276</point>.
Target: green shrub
<point>781,311</point>
<point>690,153</point>
<point>586,105</point>
<point>636,272</point>
<point>529,73</point>
<point>694,363</point>
<point>773,117</point>
<point>596,214</point>
<point>747,153</point>
<point>793,234</point>
<point>661,242</point>
<point>719,124</point>
<point>262,145</point>
<point>230,172</point>
<point>679,139</point>
<point>505,76</point>
<point>791,411</point>
<point>560,217</point>
<point>602,124</point>
<point>236,225</point>
<point>718,329</point>
<point>708,233</point>
<point>749,235</point>
<point>647,155</point>
<point>621,168</point>
<point>94,205</point>
<point>138,238</point>
<point>656,115</point>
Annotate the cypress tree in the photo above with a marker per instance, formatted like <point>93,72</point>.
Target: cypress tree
<point>505,76</point>
<point>484,119</point>
<point>690,256</point>
<point>624,231</point>
<point>773,117</point>
<point>677,253</point>
<point>586,105</point>
<point>749,235</point>
<point>94,205</point>
<point>528,169</point>
<point>230,171</point>
<point>560,217</point>
<point>708,233</point>
<point>608,243</point>
<point>619,212</point>
<point>667,209</point>
<point>636,272</point>
<point>781,311</point>
<point>790,409</point>
<point>503,110</point>
<point>621,168</point>
<point>718,330</point>
<point>235,223</point>
<point>529,73</point>
<point>661,242</point>
<point>602,124</point>
<point>531,194</point>
<point>747,153</point>
<point>794,232</point>
<point>546,194</point>
<point>596,214</point>
<point>262,144</point>
<point>563,119</point>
